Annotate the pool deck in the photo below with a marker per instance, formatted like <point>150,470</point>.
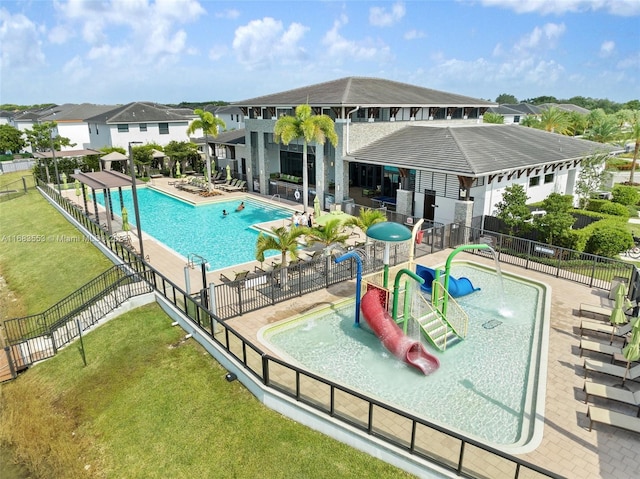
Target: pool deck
<point>567,447</point>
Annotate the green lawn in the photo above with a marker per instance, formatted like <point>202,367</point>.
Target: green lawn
<point>147,404</point>
<point>43,257</point>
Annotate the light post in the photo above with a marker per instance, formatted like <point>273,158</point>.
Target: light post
<point>134,194</point>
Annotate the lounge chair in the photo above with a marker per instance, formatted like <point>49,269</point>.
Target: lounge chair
<point>611,393</point>
<point>240,185</point>
<point>230,186</point>
<point>598,347</point>
<point>612,418</point>
<point>239,276</point>
<point>592,365</point>
<point>591,310</point>
<point>591,326</point>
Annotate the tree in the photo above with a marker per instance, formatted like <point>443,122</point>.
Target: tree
<point>506,98</point>
<point>209,124</point>
<point>493,118</point>
<point>366,218</point>
<point>577,123</point>
<point>592,177</point>
<point>513,208</point>
<point>604,131</point>
<point>555,120</point>
<point>11,139</point>
<point>557,221</point>
<point>329,235</point>
<point>41,138</point>
<point>142,158</point>
<point>182,152</point>
<point>283,240</point>
<point>634,135</point>
<point>309,128</point>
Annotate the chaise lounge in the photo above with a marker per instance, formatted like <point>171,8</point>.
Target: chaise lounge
<point>612,418</point>
<point>591,365</point>
<point>612,393</point>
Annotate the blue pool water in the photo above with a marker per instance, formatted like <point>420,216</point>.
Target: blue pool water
<point>487,385</point>
<point>187,229</point>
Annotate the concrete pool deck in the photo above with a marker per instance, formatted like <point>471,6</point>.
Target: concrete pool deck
<point>567,447</point>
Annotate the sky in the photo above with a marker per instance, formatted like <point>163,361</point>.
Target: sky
<point>170,51</point>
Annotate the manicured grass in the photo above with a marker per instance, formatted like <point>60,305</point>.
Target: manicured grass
<point>150,404</point>
<point>43,258</point>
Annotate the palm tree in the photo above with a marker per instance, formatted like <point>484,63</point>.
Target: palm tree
<point>634,135</point>
<point>281,239</point>
<point>366,218</point>
<point>604,131</point>
<point>209,124</point>
<point>330,234</point>
<point>555,120</point>
<point>310,128</point>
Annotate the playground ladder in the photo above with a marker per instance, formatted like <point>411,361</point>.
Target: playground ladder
<point>434,327</point>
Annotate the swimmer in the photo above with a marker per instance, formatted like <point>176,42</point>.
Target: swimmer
<point>240,207</point>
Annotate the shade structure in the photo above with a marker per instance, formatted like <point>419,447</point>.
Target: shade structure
<point>631,351</point>
<point>389,232</point>
<point>322,219</point>
<point>125,220</point>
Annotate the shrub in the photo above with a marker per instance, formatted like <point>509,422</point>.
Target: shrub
<point>596,205</point>
<point>625,195</point>
<point>615,209</point>
<point>609,239</point>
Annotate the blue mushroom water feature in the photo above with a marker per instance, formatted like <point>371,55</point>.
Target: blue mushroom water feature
<point>388,232</point>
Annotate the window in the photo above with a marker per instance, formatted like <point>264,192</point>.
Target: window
<point>548,178</point>
<point>123,128</point>
<point>143,127</point>
<point>534,181</point>
<point>516,119</point>
<point>164,128</point>
<point>89,124</point>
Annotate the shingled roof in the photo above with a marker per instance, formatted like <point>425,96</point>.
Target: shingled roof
<point>364,92</point>
<point>141,112</point>
<point>474,150</point>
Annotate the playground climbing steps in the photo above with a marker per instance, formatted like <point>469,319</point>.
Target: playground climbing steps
<point>434,325</point>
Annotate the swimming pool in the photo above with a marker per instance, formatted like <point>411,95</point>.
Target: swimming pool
<point>187,229</point>
<point>489,386</point>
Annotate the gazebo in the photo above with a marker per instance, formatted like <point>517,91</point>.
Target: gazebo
<point>105,181</point>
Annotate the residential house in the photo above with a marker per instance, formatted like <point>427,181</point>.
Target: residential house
<point>139,122</point>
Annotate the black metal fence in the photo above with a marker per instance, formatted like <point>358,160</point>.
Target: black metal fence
<point>416,436</point>
<point>584,268</point>
<point>39,336</point>
<point>17,188</point>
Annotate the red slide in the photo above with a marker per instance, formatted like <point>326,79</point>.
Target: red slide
<point>392,337</point>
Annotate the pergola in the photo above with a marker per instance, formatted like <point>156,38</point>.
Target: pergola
<point>105,181</point>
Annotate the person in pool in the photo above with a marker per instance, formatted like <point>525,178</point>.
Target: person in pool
<point>224,213</point>
<point>240,206</point>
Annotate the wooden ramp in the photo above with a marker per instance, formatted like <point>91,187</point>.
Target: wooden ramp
<point>5,368</point>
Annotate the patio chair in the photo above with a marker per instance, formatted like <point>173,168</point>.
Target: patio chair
<point>611,393</point>
<point>598,347</point>
<point>592,365</point>
<point>595,327</point>
<point>241,185</point>
<point>239,276</point>
<point>232,184</point>
<point>612,418</point>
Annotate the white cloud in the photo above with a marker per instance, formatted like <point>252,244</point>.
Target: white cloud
<point>76,71</point>
<point>380,17</point>
<point>414,34</point>
<point>20,40</point>
<point>262,42</point>
<point>631,62</point>
<point>340,49</point>
<point>558,7</point>
<point>544,37</point>
<point>229,14</point>
<point>151,26</point>
<point>607,48</point>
